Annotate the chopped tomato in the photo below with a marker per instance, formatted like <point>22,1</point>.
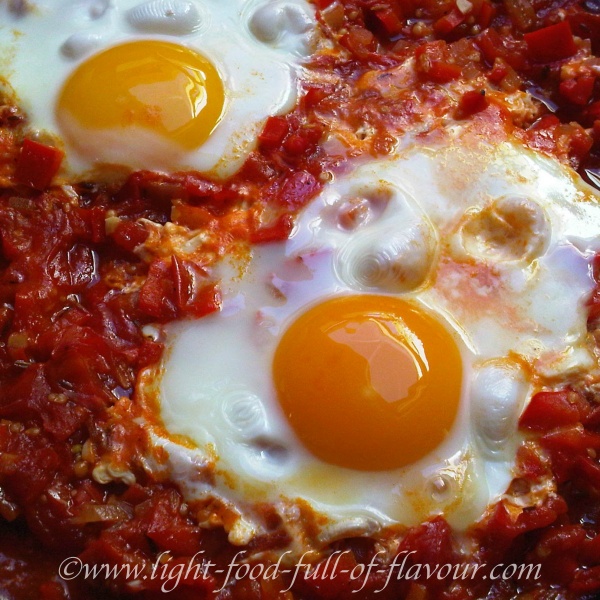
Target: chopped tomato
<point>434,62</point>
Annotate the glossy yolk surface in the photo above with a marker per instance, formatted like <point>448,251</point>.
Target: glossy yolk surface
<point>368,382</point>
<point>161,87</point>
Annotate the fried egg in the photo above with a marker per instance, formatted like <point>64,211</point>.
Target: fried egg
<point>374,366</point>
<point>162,84</point>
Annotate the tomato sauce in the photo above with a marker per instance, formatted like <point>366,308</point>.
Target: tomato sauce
<point>76,294</point>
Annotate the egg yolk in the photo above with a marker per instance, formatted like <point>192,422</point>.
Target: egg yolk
<point>164,88</point>
<point>368,382</point>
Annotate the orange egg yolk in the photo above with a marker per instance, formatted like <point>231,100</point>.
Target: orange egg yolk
<point>368,382</point>
<point>161,87</point>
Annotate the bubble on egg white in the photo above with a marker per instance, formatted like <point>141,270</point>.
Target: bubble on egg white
<point>246,413</point>
<point>497,396</point>
<point>98,8</point>
<point>283,23</point>
<point>169,17</point>
<point>393,261</point>
<point>441,487</point>
<point>266,458</point>
<point>83,11</point>
<point>396,256</point>
<point>508,228</point>
<point>81,44</point>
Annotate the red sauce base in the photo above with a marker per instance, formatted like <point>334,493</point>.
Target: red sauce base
<point>74,300</point>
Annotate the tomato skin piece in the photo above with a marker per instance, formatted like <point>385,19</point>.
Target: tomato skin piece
<point>37,164</point>
<point>191,297</point>
<point>551,43</point>
<point>360,41</point>
<point>548,410</point>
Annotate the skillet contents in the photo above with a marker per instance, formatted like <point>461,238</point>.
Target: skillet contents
<point>299,299</point>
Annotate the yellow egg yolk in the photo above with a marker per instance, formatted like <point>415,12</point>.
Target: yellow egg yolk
<point>164,88</point>
<point>368,382</point>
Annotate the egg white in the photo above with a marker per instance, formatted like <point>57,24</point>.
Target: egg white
<point>40,47</point>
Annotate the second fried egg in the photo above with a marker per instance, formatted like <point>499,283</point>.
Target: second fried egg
<point>376,364</point>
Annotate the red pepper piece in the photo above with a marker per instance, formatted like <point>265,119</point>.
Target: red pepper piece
<point>470,103</point>
<point>551,43</point>
<point>390,20</point>
<point>37,164</point>
<point>578,91</point>
<point>548,410</point>
<point>446,24</point>
<point>274,132</point>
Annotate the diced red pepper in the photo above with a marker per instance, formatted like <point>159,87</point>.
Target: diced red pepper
<point>499,70</point>
<point>486,14</point>
<point>529,463</point>
<point>274,132</point>
<point>578,91</point>
<point>470,103</point>
<point>547,410</point>
<point>571,440</point>
<point>586,581</point>
<point>37,164</point>
<point>561,539</point>
<point>551,43</point>
<point>391,22</point>
<point>589,471</point>
<point>194,217</point>
<point>446,24</point>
